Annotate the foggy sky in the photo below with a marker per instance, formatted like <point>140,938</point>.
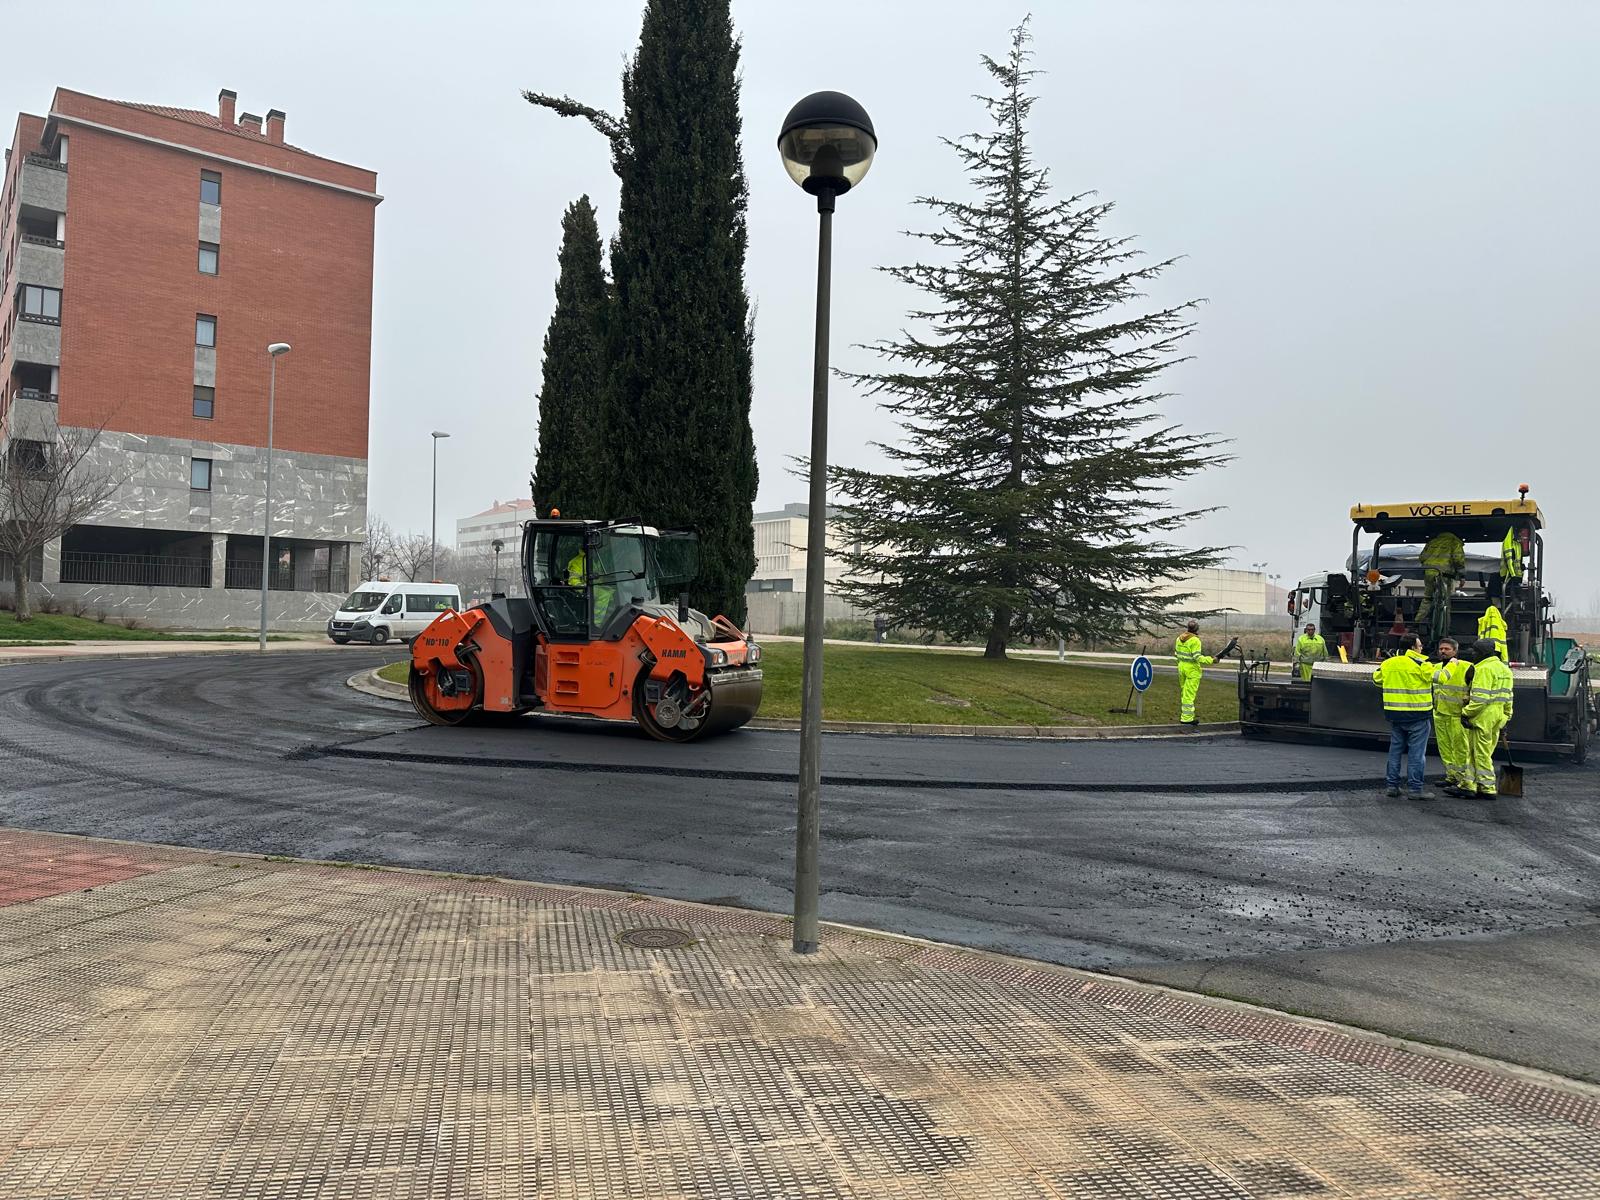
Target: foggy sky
<point>1389,209</point>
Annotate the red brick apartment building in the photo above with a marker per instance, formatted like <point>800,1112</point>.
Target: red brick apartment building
<point>151,255</point>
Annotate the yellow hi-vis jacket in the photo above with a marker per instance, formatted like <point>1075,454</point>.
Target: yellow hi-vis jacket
<point>1450,687</point>
<point>1407,683</point>
<point>1511,556</point>
<point>1309,649</point>
<point>1444,553</point>
<point>1492,625</point>
<point>1187,651</point>
<point>1491,688</point>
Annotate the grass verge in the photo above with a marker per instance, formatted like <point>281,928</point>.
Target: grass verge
<point>930,688</point>
<point>58,627</point>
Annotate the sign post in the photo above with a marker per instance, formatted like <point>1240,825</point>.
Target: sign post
<point>1141,674</point>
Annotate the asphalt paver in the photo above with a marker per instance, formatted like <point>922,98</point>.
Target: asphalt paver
<point>232,753</point>
<point>177,1023</point>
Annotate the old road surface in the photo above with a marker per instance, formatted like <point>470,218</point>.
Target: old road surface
<point>1272,873</point>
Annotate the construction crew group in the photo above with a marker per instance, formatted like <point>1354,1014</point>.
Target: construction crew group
<point>1462,699</point>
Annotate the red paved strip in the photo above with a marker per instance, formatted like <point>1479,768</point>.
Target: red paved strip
<point>34,866</point>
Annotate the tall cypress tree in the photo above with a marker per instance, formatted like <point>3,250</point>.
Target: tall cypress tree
<point>1032,496</point>
<point>569,466</point>
<point>676,411</point>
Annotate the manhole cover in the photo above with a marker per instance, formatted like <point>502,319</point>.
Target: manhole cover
<point>655,939</point>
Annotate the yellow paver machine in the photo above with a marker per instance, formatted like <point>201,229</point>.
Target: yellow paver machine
<point>1390,588</point>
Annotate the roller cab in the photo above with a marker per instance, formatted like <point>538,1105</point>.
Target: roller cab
<point>598,636</point>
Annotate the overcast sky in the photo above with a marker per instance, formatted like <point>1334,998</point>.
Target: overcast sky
<point>1389,207</point>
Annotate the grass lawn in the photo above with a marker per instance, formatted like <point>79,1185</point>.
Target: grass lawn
<point>397,672</point>
<point>929,688</point>
<point>880,684</point>
<point>57,627</point>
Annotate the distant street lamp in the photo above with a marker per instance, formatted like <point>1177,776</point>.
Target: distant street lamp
<point>494,588</point>
<point>433,535</point>
<point>274,352</point>
<point>827,144</point>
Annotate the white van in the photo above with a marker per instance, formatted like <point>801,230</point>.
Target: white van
<point>379,610</point>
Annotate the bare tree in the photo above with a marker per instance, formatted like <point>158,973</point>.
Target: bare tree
<point>412,554</point>
<point>45,489</point>
<point>378,547</point>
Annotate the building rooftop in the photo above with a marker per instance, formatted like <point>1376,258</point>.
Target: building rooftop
<point>209,120</point>
<point>503,508</point>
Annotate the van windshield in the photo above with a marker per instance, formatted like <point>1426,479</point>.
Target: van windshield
<point>363,601</point>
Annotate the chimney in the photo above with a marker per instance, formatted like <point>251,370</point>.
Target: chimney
<point>275,118</point>
<point>225,100</point>
<point>249,122</point>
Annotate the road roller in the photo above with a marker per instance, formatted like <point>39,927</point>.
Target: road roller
<point>596,637</point>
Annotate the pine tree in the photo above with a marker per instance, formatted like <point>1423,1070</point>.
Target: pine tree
<point>676,412</point>
<point>1031,499</point>
<point>568,469</point>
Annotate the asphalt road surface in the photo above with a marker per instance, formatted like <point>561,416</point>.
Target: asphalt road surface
<point>1271,873</point>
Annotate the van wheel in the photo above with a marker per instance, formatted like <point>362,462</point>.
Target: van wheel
<point>380,636</point>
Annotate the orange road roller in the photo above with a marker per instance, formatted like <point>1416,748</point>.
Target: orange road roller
<point>594,638</point>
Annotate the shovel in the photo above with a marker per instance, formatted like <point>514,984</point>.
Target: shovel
<point>1508,778</point>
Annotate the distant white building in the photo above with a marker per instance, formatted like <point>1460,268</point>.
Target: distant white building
<point>1220,588</point>
<point>781,540</point>
<point>477,570</point>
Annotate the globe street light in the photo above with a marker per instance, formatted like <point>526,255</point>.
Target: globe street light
<point>827,143</point>
<point>274,352</point>
<point>433,534</point>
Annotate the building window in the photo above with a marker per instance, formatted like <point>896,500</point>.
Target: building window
<point>200,474</point>
<point>41,303</point>
<point>210,187</point>
<point>205,401</point>
<point>205,331</point>
<point>208,258</point>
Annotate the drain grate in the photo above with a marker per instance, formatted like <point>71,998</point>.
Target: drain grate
<point>655,939</point>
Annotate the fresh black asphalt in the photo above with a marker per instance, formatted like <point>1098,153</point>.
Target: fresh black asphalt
<point>1268,872</point>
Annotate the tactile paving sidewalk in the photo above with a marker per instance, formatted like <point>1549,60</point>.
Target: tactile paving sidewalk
<point>215,1026</point>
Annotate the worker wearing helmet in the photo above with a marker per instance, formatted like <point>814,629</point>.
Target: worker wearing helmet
<point>1492,625</point>
<point>1407,682</point>
<point>1449,695</point>
<point>1309,649</point>
<point>1188,652</point>
<point>1486,712</point>
<point>1443,559</point>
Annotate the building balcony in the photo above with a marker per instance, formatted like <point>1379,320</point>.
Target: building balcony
<point>42,183</point>
<point>36,340</point>
<point>32,419</point>
<point>41,261</point>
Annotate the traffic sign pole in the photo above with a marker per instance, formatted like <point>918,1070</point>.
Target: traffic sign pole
<point>1141,674</point>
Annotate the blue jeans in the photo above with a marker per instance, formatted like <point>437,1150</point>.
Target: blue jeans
<point>1408,735</point>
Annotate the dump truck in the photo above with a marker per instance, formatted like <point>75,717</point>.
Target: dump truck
<point>1364,610</point>
<point>595,637</point>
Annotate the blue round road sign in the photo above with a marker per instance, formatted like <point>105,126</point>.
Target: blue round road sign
<point>1142,673</point>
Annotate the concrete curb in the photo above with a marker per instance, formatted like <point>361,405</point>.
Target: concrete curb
<point>1528,1088</point>
<point>368,683</point>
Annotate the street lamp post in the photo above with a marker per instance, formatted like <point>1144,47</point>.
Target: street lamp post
<point>274,352</point>
<point>494,588</point>
<point>827,143</point>
<point>433,534</point>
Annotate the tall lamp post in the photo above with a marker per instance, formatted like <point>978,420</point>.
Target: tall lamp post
<point>494,588</point>
<point>433,535</point>
<point>827,143</point>
<point>274,352</point>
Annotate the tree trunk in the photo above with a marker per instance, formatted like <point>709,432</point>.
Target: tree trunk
<point>999,633</point>
<point>19,580</point>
